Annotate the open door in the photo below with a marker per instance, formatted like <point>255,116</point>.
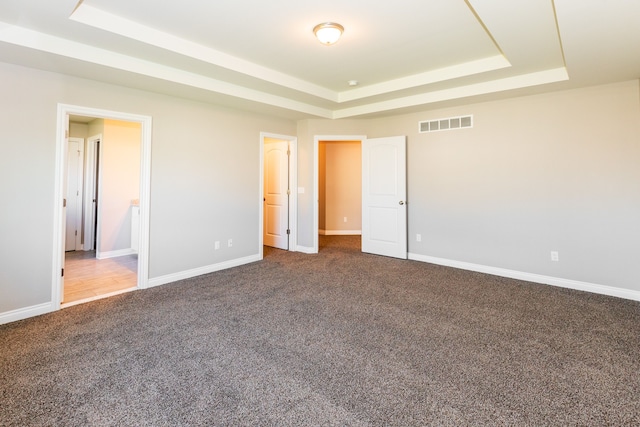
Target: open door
<point>384,196</point>
<point>276,194</point>
<point>74,193</point>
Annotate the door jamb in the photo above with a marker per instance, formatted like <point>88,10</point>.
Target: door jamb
<point>91,181</point>
<point>63,112</point>
<point>316,169</point>
<point>293,196</point>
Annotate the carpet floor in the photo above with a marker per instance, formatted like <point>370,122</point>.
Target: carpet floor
<point>338,338</point>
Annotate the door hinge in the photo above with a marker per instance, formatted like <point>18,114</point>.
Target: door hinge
<point>62,273</point>
<point>76,232</point>
<point>288,231</point>
<point>288,192</point>
<point>288,152</point>
<point>64,203</point>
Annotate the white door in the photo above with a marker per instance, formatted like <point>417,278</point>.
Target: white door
<point>276,194</point>
<point>91,192</point>
<point>75,167</point>
<point>384,196</point>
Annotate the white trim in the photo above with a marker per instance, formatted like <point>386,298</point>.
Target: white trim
<point>316,159</point>
<point>97,297</point>
<point>63,112</point>
<point>532,277</point>
<point>90,183</point>
<point>520,81</point>
<point>26,312</point>
<point>307,250</point>
<point>115,254</point>
<point>187,274</point>
<point>103,20</point>
<point>339,232</point>
<point>293,185</point>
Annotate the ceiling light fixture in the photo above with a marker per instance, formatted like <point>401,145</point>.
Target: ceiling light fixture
<point>328,32</point>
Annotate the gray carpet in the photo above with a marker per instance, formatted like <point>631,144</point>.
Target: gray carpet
<point>339,338</point>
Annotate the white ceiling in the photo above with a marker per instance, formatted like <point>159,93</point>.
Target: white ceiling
<point>262,56</point>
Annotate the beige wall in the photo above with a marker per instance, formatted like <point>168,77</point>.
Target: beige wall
<point>205,162</point>
<point>340,182</point>
<point>119,183</point>
<point>556,171</point>
<point>550,172</point>
<point>78,130</point>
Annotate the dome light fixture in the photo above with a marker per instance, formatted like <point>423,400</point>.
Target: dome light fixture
<point>328,32</point>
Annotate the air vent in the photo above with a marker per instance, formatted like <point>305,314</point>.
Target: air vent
<point>450,123</point>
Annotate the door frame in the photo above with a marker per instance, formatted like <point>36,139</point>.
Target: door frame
<point>63,113</point>
<point>293,185</point>
<point>316,178</point>
<point>92,180</point>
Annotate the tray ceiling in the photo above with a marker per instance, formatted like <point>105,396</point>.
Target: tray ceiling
<point>263,55</point>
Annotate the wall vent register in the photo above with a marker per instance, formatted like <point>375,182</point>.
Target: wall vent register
<point>451,123</point>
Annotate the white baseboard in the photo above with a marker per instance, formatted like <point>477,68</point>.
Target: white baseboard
<point>23,313</point>
<point>305,250</point>
<point>115,254</point>
<point>169,278</point>
<point>531,277</point>
<point>340,232</point>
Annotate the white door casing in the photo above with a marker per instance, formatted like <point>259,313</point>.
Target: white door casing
<point>384,196</point>
<point>316,179</point>
<point>74,193</point>
<point>276,194</point>
<point>64,110</point>
<point>90,191</point>
<point>59,241</point>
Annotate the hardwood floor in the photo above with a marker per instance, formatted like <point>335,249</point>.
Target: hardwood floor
<point>86,278</point>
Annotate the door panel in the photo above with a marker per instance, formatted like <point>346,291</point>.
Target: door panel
<point>276,198</point>
<point>384,192</point>
<point>75,167</point>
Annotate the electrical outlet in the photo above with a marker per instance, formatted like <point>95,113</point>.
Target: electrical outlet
<point>418,237</point>
<point>217,245</point>
<point>345,219</point>
<point>230,242</point>
<point>555,256</point>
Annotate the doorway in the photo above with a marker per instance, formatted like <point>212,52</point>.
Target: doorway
<point>278,192</point>
<point>340,188</point>
<point>383,190</point>
<point>143,123</point>
<point>318,165</point>
<point>93,269</point>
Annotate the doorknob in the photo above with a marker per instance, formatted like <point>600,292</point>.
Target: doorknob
<point>401,203</point>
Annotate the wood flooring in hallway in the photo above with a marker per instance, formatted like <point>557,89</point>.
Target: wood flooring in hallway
<point>86,277</point>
